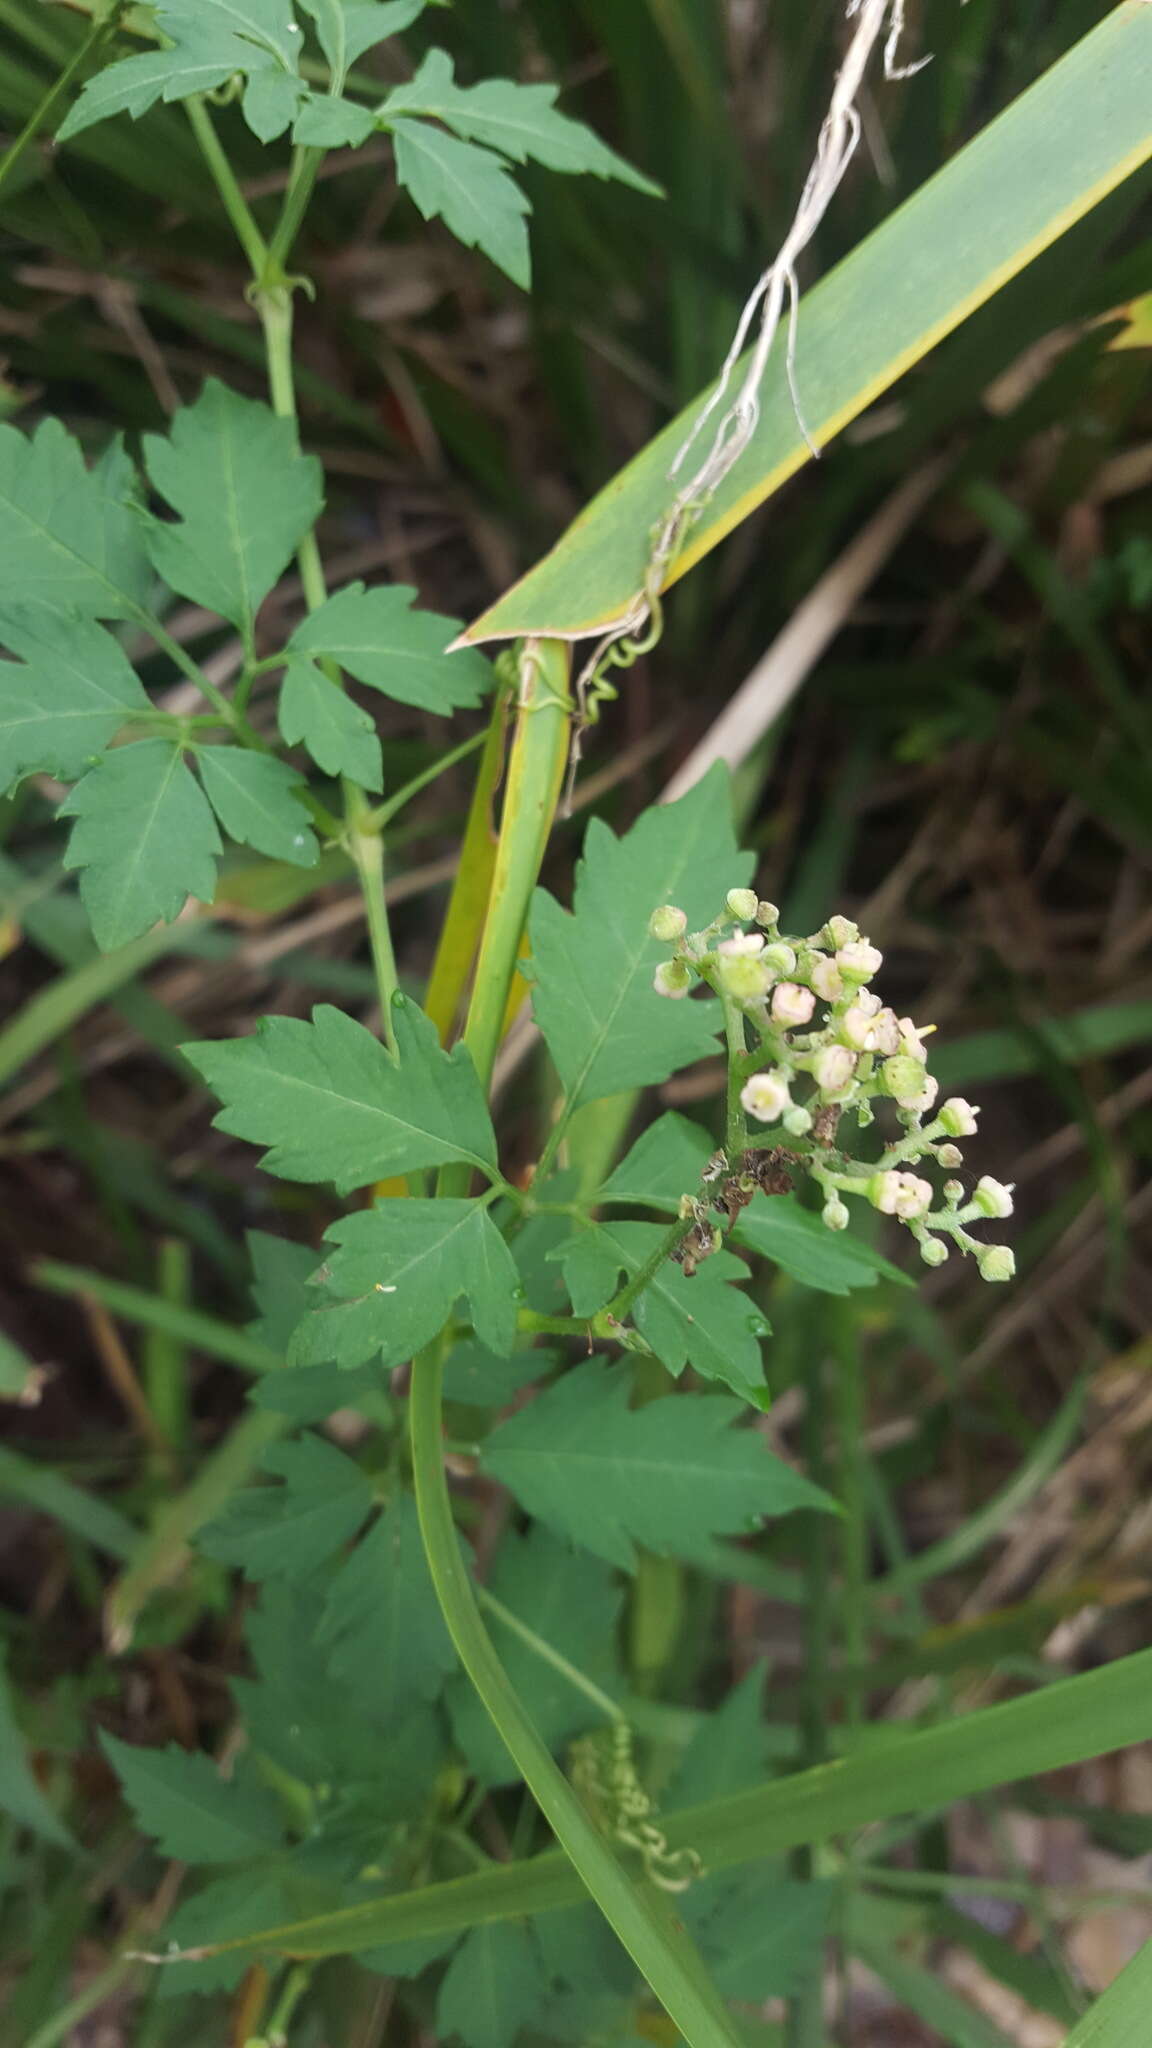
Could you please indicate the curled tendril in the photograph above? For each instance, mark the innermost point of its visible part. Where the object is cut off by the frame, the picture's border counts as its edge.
(604, 1772)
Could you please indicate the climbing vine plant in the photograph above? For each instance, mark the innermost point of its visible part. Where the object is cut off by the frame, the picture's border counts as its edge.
(598, 1350)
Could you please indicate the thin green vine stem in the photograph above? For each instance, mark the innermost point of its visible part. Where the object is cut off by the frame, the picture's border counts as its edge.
(383, 814)
(365, 843)
(658, 1947)
(548, 1655)
(100, 33)
(224, 178)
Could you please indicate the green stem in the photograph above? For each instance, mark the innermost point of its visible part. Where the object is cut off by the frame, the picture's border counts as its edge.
(854, 1591)
(364, 841)
(620, 1303)
(41, 115)
(658, 1947)
(184, 662)
(235, 205)
(305, 164)
(382, 814)
(547, 1655)
(735, 1129)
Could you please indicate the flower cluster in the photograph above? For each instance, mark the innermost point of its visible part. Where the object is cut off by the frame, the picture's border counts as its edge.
(825, 1049)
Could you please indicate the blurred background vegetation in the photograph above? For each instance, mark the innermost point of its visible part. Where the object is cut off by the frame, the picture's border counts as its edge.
(966, 771)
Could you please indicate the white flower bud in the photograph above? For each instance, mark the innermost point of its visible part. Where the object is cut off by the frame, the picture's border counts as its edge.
(834, 1069)
(781, 959)
(792, 1004)
(826, 978)
(958, 1117)
(834, 1214)
(885, 1029)
(933, 1251)
(953, 1192)
(997, 1263)
(766, 1096)
(743, 977)
(992, 1198)
(767, 913)
(900, 1194)
(949, 1156)
(858, 961)
(672, 978)
(667, 923)
(797, 1122)
(742, 903)
(742, 942)
(855, 1026)
(839, 931)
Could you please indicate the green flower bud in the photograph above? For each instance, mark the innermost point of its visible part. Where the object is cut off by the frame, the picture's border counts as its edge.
(744, 976)
(834, 1215)
(839, 931)
(667, 923)
(742, 903)
(997, 1263)
(903, 1078)
(949, 1156)
(780, 959)
(767, 914)
(933, 1251)
(797, 1122)
(672, 978)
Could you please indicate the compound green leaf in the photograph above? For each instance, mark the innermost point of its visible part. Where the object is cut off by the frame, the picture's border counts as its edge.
(572, 1603)
(144, 837)
(281, 1270)
(494, 1985)
(20, 1794)
(703, 1321)
(210, 41)
(667, 1161)
(331, 1103)
(245, 494)
(257, 800)
(191, 1812)
(382, 1627)
(282, 1531)
(605, 1026)
(326, 121)
(469, 189)
(380, 640)
(340, 736)
(727, 1752)
(667, 1476)
(518, 120)
(65, 698)
(760, 1931)
(395, 1277)
(271, 102)
(346, 28)
(70, 537)
(479, 1379)
(243, 1902)
(831, 1262)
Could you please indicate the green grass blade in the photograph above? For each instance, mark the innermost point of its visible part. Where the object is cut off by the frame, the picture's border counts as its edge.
(1120, 2018)
(1044, 163)
(1063, 1724)
(151, 1312)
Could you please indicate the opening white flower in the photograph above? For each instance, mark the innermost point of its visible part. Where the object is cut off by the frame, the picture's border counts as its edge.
(826, 978)
(858, 961)
(766, 1096)
(900, 1194)
(792, 1004)
(834, 1069)
(992, 1197)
